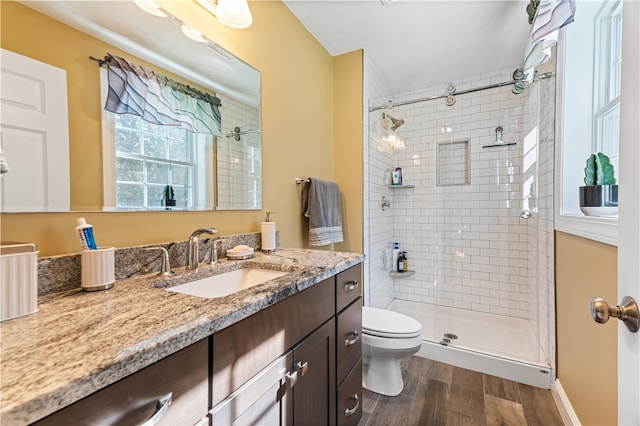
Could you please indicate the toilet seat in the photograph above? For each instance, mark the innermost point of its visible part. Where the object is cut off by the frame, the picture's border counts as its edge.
(389, 324)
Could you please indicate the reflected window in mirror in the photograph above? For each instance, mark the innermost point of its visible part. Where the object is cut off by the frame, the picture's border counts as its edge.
(142, 159)
(149, 157)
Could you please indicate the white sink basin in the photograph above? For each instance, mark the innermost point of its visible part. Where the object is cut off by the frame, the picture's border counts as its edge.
(227, 283)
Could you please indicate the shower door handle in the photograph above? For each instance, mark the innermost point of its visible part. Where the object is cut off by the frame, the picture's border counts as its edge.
(626, 311)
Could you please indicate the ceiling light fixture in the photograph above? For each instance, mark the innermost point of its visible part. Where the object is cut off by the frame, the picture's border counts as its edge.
(232, 13)
(193, 34)
(150, 7)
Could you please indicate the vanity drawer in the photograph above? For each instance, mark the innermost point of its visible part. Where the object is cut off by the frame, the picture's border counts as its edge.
(350, 397)
(349, 338)
(348, 286)
(136, 398)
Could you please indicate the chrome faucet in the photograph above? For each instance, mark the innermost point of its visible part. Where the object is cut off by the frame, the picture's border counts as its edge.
(193, 253)
(215, 254)
(165, 269)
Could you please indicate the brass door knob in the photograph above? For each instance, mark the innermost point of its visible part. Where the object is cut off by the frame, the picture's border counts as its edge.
(626, 311)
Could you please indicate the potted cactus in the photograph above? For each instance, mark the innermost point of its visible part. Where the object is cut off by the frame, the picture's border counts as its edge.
(599, 196)
(168, 197)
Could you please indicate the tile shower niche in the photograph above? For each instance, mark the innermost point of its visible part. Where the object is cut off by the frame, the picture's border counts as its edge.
(453, 163)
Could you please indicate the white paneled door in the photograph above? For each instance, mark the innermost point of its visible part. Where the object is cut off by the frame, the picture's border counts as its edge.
(629, 220)
(34, 135)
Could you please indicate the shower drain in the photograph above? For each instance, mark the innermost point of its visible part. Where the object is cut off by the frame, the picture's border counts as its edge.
(447, 338)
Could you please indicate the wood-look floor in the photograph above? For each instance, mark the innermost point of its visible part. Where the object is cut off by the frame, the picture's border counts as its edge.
(440, 394)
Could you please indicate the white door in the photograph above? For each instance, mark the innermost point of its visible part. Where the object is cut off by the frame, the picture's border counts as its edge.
(629, 220)
(34, 135)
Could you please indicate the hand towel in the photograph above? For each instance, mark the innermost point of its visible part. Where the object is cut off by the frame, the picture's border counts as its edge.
(321, 204)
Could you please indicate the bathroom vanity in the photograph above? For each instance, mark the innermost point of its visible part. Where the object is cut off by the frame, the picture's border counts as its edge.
(287, 351)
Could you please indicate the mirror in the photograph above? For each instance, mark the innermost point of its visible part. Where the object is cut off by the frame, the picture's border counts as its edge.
(234, 181)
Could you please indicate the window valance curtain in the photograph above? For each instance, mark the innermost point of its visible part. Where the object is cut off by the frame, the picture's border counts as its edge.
(552, 15)
(157, 99)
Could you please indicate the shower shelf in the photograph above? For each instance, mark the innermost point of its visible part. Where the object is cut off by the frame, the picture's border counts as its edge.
(401, 186)
(402, 274)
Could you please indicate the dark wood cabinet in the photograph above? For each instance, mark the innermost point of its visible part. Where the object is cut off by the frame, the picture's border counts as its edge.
(298, 388)
(136, 398)
(320, 328)
(243, 349)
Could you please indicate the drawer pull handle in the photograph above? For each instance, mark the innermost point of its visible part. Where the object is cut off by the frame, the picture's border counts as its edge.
(292, 378)
(351, 285)
(163, 406)
(302, 367)
(350, 411)
(356, 337)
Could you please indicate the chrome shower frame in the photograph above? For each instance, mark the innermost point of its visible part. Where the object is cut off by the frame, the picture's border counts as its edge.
(450, 97)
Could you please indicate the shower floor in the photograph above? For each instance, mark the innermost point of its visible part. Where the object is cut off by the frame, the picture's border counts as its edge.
(492, 344)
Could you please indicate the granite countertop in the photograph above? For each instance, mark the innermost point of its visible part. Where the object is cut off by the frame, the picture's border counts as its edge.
(80, 342)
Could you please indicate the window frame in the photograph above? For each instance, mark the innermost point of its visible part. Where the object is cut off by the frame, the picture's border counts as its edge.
(602, 229)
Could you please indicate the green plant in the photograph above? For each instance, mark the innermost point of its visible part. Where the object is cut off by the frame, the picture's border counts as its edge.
(168, 192)
(599, 170)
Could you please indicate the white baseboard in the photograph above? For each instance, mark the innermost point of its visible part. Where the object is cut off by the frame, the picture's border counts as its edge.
(569, 416)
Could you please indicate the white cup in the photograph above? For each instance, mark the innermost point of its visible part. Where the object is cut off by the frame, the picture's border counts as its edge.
(98, 268)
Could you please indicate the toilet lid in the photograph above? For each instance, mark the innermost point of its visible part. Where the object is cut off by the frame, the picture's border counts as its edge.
(383, 323)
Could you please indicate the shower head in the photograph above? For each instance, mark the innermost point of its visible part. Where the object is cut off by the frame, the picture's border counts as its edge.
(395, 123)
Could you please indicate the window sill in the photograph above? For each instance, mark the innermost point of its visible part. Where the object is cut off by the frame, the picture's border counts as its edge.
(601, 229)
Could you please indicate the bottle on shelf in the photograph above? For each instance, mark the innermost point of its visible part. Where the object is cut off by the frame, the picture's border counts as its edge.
(405, 260)
(401, 262)
(394, 257)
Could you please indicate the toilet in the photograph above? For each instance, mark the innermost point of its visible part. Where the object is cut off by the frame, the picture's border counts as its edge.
(387, 337)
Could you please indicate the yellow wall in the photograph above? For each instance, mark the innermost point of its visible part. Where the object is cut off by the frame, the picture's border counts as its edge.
(587, 352)
(348, 149)
(297, 133)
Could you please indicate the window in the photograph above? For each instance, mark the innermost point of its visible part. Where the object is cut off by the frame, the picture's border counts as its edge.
(589, 65)
(141, 158)
(149, 157)
(608, 63)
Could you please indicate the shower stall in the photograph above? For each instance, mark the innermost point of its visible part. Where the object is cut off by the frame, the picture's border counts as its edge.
(474, 214)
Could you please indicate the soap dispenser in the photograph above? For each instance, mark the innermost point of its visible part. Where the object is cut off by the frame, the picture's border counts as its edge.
(268, 234)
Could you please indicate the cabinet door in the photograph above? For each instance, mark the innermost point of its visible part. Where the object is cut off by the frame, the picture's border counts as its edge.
(135, 399)
(349, 338)
(314, 394)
